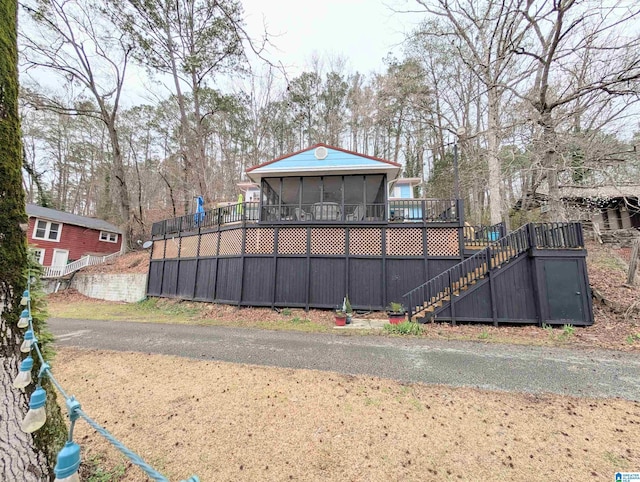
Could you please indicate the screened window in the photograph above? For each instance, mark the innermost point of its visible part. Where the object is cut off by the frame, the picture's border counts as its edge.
(332, 189)
(326, 198)
(311, 190)
(374, 187)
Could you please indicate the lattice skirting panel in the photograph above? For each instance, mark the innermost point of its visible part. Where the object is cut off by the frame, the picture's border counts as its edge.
(404, 242)
(292, 241)
(443, 242)
(172, 248)
(327, 241)
(259, 241)
(189, 247)
(324, 241)
(208, 244)
(231, 242)
(158, 250)
(365, 242)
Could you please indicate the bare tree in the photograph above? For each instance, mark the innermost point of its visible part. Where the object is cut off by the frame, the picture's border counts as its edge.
(580, 54)
(191, 40)
(71, 40)
(484, 34)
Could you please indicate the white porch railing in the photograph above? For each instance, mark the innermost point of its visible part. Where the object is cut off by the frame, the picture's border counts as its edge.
(88, 260)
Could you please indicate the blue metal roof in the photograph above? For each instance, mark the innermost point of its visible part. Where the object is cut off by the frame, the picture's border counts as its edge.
(336, 159)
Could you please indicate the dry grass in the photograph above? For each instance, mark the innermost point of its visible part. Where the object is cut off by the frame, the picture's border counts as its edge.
(228, 422)
(133, 262)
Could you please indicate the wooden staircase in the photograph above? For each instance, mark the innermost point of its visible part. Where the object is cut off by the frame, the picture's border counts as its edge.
(424, 313)
(427, 300)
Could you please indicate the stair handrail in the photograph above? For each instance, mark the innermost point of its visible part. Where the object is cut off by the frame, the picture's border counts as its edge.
(533, 235)
(472, 268)
(83, 262)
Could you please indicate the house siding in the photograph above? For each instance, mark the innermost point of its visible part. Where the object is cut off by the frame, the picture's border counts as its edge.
(78, 240)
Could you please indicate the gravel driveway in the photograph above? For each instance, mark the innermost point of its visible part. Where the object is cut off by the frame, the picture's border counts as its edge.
(584, 373)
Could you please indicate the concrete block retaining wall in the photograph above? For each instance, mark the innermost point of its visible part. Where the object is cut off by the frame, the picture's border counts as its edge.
(113, 287)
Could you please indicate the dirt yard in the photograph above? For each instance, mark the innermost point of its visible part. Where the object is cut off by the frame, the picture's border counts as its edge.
(227, 422)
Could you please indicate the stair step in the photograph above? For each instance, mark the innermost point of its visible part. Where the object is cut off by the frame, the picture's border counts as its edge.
(501, 256)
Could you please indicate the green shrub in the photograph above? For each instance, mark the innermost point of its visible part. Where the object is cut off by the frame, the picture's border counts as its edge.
(404, 328)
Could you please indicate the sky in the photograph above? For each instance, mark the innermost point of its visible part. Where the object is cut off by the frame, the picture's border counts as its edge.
(362, 31)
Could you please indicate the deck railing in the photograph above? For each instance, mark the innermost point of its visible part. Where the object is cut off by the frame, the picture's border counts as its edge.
(475, 236)
(441, 288)
(89, 260)
(425, 210)
(559, 235)
(410, 210)
(246, 211)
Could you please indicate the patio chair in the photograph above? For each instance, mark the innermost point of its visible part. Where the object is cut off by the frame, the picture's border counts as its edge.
(301, 215)
(357, 214)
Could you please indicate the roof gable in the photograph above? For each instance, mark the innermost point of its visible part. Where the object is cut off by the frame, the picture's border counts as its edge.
(305, 161)
(35, 211)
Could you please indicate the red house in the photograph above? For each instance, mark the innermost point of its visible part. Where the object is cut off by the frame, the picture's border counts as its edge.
(59, 237)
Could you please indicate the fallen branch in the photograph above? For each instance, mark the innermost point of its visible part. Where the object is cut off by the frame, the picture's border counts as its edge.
(632, 307)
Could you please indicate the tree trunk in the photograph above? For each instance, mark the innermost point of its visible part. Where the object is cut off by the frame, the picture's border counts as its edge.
(20, 459)
(117, 171)
(200, 142)
(493, 159)
(556, 210)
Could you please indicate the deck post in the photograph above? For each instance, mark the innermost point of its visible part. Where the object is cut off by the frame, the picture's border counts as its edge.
(424, 253)
(215, 278)
(347, 271)
(179, 262)
(460, 213)
(451, 302)
(275, 265)
(384, 266)
(164, 255)
(244, 245)
(494, 304)
(308, 277)
(195, 282)
(531, 232)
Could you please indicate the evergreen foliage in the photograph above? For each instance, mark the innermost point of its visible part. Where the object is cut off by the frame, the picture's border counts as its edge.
(13, 245)
(52, 436)
(13, 254)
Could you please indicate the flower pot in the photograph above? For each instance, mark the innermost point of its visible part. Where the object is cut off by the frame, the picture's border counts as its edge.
(341, 320)
(396, 318)
(349, 318)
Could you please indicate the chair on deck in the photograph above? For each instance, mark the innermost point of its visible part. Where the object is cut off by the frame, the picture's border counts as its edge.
(301, 215)
(357, 214)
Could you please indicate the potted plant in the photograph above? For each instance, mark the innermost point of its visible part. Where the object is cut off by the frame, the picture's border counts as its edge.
(347, 309)
(395, 312)
(340, 316)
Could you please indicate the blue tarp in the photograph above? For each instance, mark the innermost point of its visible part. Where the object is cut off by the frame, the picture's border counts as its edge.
(199, 216)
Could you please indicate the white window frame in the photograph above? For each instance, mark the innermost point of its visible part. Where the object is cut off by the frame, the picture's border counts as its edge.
(47, 230)
(108, 235)
(39, 258)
